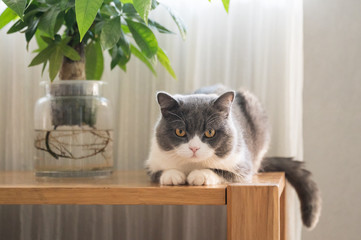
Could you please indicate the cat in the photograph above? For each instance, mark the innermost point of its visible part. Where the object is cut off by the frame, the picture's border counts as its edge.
(216, 136)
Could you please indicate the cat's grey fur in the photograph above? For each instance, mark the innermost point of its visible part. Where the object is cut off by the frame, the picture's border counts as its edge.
(234, 154)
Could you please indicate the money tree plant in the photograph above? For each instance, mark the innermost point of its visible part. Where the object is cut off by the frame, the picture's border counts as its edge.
(73, 34)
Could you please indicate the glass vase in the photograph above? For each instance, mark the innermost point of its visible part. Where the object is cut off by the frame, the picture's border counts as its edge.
(73, 130)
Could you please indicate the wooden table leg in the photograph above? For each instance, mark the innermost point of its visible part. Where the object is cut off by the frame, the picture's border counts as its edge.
(283, 221)
(253, 212)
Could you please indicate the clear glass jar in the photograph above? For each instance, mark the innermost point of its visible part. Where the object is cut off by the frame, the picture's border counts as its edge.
(73, 130)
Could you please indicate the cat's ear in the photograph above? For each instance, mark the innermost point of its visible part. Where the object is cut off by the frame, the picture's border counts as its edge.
(166, 102)
(224, 102)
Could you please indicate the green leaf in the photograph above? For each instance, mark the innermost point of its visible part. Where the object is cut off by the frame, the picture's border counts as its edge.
(125, 29)
(129, 9)
(126, 1)
(33, 11)
(65, 4)
(143, 58)
(159, 27)
(42, 56)
(51, 2)
(114, 52)
(123, 67)
(111, 32)
(48, 40)
(143, 8)
(65, 40)
(18, 6)
(118, 57)
(69, 52)
(108, 10)
(226, 4)
(55, 61)
(48, 21)
(42, 43)
(179, 21)
(59, 22)
(121, 52)
(124, 45)
(94, 62)
(18, 25)
(69, 18)
(85, 11)
(118, 4)
(29, 33)
(164, 60)
(44, 66)
(7, 16)
(144, 38)
(98, 27)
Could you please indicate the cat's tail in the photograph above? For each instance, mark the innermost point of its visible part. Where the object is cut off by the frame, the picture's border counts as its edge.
(301, 180)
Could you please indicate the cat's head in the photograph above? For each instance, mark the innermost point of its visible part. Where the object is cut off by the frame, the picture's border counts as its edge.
(196, 127)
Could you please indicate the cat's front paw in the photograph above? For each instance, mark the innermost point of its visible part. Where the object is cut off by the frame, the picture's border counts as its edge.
(172, 177)
(203, 177)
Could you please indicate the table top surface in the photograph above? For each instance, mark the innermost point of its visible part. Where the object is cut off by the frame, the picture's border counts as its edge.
(122, 187)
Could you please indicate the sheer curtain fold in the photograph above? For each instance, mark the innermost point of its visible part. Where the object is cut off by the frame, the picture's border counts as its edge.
(257, 46)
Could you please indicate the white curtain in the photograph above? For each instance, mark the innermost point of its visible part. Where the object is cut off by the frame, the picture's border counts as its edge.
(258, 46)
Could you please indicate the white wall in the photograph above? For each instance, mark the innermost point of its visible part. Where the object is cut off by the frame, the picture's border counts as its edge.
(332, 113)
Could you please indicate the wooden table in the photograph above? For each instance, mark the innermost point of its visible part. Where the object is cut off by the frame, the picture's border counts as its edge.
(255, 211)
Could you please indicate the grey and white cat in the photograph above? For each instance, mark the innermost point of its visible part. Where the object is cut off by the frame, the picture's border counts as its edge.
(215, 136)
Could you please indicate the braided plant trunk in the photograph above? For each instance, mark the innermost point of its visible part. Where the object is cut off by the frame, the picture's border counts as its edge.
(69, 106)
(74, 70)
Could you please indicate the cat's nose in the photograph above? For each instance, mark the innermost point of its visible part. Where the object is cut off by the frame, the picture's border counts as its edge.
(194, 149)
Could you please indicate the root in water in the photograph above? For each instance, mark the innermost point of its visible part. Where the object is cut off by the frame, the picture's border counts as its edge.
(73, 144)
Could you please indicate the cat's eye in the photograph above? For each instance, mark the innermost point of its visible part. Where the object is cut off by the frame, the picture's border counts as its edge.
(210, 133)
(180, 132)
